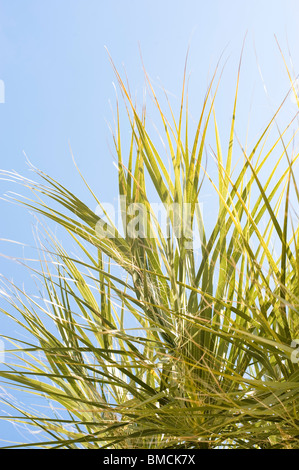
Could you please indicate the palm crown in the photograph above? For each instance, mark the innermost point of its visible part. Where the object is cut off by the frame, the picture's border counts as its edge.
(146, 340)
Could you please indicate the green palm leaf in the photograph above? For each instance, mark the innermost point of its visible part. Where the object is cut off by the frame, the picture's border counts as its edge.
(152, 342)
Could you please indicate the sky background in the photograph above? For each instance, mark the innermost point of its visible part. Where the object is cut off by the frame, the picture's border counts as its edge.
(59, 85)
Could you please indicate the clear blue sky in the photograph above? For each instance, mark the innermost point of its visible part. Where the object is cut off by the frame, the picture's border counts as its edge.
(58, 81)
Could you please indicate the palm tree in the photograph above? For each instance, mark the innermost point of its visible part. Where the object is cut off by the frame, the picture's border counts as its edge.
(177, 336)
